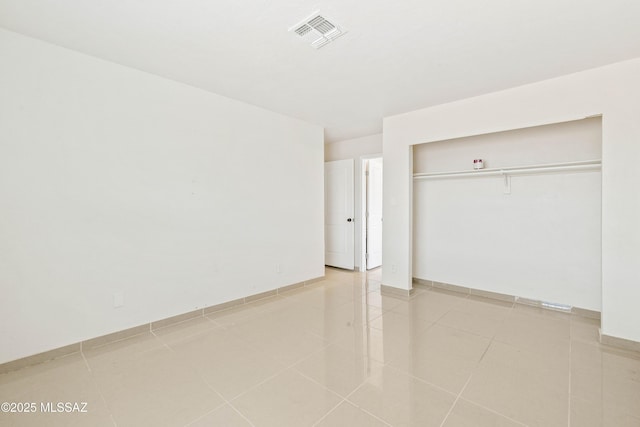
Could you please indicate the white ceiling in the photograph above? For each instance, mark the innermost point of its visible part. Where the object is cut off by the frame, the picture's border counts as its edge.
(397, 56)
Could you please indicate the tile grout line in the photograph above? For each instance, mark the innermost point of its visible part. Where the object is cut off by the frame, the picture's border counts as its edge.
(241, 414)
(361, 408)
(493, 411)
(326, 343)
(369, 413)
(511, 310)
(466, 296)
(225, 402)
(204, 415)
(95, 382)
(269, 378)
(216, 323)
(471, 376)
(410, 375)
(224, 399)
(162, 341)
(277, 373)
(436, 321)
(329, 412)
(320, 384)
(184, 338)
(456, 401)
(86, 362)
(493, 338)
(343, 399)
(372, 415)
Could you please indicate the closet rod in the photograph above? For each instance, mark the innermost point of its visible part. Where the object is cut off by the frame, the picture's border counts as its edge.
(522, 170)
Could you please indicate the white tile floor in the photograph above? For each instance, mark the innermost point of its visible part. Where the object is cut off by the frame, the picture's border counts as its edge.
(340, 354)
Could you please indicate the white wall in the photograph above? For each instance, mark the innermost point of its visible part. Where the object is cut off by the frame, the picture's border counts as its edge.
(356, 149)
(540, 241)
(572, 141)
(353, 148)
(113, 180)
(614, 92)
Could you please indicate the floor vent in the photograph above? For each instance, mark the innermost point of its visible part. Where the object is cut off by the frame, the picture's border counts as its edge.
(317, 30)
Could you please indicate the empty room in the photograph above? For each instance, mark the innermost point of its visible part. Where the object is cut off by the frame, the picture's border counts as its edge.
(279, 213)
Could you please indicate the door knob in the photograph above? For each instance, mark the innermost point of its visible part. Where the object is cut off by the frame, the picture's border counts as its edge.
(349, 220)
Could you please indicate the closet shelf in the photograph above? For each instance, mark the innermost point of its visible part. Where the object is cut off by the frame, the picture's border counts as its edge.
(584, 165)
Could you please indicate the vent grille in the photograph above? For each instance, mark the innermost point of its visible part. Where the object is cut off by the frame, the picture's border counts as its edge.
(317, 30)
(301, 31)
(321, 24)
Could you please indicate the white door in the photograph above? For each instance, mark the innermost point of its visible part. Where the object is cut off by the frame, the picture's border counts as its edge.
(338, 214)
(374, 214)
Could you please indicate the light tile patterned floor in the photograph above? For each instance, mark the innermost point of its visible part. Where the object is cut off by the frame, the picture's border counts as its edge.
(339, 354)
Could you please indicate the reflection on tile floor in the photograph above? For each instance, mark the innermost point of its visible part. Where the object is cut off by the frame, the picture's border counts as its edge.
(339, 354)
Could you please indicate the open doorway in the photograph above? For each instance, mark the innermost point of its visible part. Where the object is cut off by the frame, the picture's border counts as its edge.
(371, 212)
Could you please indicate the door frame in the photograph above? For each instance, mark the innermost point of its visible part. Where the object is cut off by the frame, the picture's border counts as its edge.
(361, 208)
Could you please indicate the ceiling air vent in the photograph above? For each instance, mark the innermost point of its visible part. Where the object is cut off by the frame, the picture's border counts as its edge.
(317, 30)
